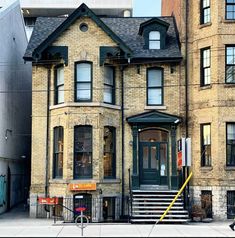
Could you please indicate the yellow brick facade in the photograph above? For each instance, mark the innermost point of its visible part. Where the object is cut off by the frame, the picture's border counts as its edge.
(212, 104)
(84, 46)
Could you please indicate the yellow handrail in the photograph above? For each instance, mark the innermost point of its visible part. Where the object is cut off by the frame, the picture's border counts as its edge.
(176, 196)
(173, 201)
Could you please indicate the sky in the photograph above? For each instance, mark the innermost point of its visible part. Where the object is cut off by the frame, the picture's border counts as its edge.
(146, 8)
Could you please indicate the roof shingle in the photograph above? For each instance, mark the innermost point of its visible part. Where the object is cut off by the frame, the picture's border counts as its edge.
(125, 28)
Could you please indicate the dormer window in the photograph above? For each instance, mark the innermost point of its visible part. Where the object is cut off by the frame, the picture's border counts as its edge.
(154, 40)
(154, 33)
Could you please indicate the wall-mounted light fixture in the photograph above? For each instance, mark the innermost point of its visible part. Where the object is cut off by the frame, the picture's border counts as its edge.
(7, 132)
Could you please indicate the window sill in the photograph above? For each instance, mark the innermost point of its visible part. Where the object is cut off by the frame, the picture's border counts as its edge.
(86, 104)
(229, 168)
(85, 180)
(205, 25)
(206, 168)
(57, 180)
(229, 85)
(155, 108)
(228, 20)
(110, 181)
(205, 87)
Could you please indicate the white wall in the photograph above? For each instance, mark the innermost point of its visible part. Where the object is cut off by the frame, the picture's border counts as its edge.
(15, 98)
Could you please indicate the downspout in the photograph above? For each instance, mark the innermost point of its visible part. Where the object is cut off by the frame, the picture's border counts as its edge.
(123, 136)
(48, 131)
(186, 169)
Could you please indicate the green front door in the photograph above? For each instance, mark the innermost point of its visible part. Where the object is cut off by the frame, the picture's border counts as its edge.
(153, 163)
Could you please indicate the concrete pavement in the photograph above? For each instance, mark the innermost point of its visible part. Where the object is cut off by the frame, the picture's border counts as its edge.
(117, 230)
(18, 224)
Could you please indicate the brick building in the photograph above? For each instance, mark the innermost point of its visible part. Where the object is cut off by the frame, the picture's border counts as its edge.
(206, 32)
(107, 97)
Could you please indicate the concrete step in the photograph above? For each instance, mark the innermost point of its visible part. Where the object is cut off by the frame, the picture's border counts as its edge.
(159, 212)
(155, 195)
(156, 203)
(154, 199)
(158, 207)
(156, 191)
(155, 220)
(156, 216)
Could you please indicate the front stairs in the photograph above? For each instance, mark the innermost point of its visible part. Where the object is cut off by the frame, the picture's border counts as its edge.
(149, 205)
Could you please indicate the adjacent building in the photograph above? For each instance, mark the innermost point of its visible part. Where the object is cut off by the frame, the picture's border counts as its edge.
(46, 8)
(206, 32)
(15, 106)
(110, 99)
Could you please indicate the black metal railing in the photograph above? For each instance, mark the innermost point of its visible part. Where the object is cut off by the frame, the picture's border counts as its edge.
(104, 209)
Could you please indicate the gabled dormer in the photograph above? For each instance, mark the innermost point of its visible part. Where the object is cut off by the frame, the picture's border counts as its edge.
(154, 33)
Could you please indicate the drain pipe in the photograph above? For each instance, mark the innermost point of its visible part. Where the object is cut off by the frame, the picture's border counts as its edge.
(47, 132)
(123, 136)
(186, 169)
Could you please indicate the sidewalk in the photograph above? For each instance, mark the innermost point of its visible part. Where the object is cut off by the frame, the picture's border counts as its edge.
(17, 224)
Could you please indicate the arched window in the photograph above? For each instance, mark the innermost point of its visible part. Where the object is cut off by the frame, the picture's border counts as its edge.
(154, 40)
(109, 162)
(82, 152)
(58, 152)
(153, 135)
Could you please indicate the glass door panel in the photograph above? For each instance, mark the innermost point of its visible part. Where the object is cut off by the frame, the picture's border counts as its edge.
(163, 162)
(145, 157)
(153, 159)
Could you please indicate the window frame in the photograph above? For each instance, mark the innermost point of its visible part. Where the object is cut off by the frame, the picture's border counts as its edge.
(155, 87)
(113, 87)
(202, 68)
(227, 65)
(56, 154)
(83, 82)
(77, 152)
(113, 153)
(202, 12)
(227, 164)
(227, 4)
(203, 159)
(229, 198)
(158, 40)
(56, 86)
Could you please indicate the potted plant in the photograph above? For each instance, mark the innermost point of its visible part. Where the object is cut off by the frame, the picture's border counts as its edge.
(197, 213)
